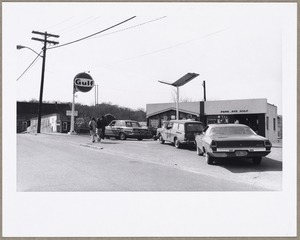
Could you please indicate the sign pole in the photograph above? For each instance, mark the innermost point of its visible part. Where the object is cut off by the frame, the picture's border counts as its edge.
(82, 82)
(72, 114)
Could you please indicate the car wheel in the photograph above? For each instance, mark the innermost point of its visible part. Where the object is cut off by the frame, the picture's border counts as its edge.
(209, 159)
(256, 160)
(199, 152)
(161, 140)
(177, 143)
(122, 136)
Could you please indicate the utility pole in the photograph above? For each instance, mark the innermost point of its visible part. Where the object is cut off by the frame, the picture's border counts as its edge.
(204, 89)
(45, 41)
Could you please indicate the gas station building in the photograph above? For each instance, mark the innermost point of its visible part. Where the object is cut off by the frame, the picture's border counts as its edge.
(258, 114)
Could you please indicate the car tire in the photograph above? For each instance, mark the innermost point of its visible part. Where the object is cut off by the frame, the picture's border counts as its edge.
(122, 136)
(161, 140)
(177, 143)
(256, 160)
(209, 159)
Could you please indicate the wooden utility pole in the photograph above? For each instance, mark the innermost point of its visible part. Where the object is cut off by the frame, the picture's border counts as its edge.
(204, 89)
(45, 41)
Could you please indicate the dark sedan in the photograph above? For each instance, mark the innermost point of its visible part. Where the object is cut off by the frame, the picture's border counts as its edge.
(232, 141)
(123, 129)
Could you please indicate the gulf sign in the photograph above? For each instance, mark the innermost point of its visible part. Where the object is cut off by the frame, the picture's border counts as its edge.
(83, 82)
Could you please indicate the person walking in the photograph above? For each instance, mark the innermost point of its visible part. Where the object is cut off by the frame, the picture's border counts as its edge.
(103, 124)
(99, 129)
(93, 126)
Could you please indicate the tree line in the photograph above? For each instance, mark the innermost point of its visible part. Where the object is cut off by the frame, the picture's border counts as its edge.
(118, 112)
(86, 112)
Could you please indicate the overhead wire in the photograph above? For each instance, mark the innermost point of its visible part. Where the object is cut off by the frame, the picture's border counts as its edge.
(60, 23)
(92, 34)
(125, 29)
(75, 42)
(80, 25)
(74, 26)
(30, 65)
(166, 48)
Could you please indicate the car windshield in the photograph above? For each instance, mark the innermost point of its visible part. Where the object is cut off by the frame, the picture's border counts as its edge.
(132, 124)
(194, 127)
(231, 131)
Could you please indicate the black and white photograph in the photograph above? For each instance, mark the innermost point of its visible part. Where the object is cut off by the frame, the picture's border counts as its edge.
(124, 119)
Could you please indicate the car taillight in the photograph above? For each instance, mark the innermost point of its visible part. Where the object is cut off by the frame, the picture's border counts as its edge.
(213, 145)
(268, 145)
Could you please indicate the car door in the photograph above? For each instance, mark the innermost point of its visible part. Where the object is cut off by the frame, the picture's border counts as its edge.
(109, 130)
(202, 139)
(168, 131)
(173, 132)
(165, 131)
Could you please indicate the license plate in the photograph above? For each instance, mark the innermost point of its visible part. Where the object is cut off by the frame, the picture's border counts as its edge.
(241, 153)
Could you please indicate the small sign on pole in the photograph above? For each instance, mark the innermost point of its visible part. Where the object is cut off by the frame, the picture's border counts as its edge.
(69, 113)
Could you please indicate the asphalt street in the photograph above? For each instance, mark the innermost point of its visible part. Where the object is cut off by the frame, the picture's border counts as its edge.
(61, 162)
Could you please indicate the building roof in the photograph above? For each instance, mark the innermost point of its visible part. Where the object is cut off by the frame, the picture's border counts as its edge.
(30, 109)
(187, 107)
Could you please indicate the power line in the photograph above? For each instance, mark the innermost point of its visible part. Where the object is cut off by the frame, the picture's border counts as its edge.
(74, 26)
(31, 64)
(80, 25)
(60, 23)
(166, 48)
(125, 29)
(74, 42)
(92, 34)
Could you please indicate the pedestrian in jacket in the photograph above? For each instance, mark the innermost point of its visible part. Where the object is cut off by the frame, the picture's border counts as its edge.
(103, 124)
(93, 126)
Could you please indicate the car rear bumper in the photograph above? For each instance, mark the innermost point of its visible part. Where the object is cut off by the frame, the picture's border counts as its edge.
(238, 154)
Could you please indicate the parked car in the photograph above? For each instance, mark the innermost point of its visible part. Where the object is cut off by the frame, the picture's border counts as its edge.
(151, 129)
(159, 130)
(123, 129)
(180, 132)
(232, 140)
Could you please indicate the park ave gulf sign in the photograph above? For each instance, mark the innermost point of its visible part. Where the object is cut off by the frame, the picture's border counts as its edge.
(83, 82)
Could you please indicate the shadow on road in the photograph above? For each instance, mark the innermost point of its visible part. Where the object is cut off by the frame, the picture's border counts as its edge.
(236, 165)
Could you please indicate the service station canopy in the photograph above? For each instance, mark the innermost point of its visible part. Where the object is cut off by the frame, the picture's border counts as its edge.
(183, 80)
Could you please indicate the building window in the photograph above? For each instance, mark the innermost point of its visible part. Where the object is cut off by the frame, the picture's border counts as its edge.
(267, 122)
(274, 124)
(65, 126)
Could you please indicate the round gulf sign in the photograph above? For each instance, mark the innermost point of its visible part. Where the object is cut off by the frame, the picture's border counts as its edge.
(83, 82)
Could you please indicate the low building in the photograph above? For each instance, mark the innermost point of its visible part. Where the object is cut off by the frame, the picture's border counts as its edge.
(256, 113)
(51, 123)
(27, 113)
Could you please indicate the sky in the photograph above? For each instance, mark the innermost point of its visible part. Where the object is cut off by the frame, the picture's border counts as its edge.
(235, 48)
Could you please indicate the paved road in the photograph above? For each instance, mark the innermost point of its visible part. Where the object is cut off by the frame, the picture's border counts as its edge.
(58, 162)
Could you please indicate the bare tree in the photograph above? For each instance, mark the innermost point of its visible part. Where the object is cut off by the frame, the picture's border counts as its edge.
(181, 99)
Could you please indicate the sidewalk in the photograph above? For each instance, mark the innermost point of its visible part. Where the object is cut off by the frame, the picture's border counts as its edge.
(277, 144)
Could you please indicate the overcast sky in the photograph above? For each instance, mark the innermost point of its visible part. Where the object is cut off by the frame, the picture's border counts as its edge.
(236, 49)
